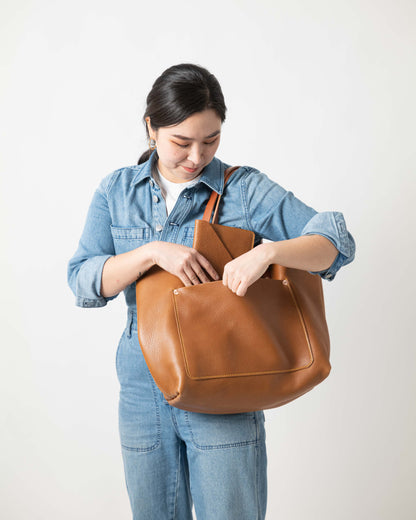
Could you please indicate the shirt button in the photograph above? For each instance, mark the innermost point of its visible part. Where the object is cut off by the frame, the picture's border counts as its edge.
(151, 182)
(159, 227)
(327, 275)
(155, 198)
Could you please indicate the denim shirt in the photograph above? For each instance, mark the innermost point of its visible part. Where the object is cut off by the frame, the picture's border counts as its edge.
(128, 211)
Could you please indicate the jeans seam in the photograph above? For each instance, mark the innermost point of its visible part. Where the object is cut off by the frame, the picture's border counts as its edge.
(157, 408)
(175, 424)
(129, 324)
(224, 446)
(175, 501)
(257, 480)
(157, 442)
(256, 463)
(118, 349)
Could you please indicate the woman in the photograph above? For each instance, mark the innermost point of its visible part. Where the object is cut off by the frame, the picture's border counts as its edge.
(143, 215)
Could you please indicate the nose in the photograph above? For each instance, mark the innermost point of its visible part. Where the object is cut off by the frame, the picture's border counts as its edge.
(195, 155)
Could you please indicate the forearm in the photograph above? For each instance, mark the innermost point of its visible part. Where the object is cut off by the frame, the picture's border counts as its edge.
(119, 271)
(307, 252)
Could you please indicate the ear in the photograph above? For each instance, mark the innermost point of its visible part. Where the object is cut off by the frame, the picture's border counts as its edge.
(150, 130)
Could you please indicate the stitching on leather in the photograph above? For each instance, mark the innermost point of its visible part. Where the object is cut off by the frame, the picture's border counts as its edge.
(246, 374)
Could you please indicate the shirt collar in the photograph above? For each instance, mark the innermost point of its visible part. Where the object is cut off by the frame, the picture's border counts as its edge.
(212, 174)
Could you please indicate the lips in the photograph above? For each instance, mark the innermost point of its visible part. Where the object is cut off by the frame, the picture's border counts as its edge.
(190, 170)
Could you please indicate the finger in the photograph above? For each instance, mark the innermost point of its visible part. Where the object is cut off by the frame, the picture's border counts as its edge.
(196, 274)
(200, 272)
(225, 276)
(241, 290)
(192, 277)
(205, 263)
(185, 279)
(234, 285)
(185, 276)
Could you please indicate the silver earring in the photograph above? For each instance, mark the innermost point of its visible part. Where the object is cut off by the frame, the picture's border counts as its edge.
(152, 144)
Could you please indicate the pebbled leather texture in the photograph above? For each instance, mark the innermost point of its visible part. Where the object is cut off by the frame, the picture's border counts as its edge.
(212, 351)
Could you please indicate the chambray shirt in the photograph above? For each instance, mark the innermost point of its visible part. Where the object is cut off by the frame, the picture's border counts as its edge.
(128, 211)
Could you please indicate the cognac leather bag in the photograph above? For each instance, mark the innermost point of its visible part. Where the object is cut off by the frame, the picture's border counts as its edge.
(212, 351)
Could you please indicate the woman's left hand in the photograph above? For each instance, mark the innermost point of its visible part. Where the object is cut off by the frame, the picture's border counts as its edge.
(244, 270)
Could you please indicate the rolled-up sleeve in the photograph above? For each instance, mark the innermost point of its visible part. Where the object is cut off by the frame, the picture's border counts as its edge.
(276, 214)
(95, 247)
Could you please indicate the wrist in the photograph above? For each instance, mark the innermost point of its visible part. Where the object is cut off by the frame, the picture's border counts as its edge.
(267, 250)
(150, 253)
(142, 258)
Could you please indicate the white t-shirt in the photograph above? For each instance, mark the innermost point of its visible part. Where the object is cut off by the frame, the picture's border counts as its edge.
(171, 190)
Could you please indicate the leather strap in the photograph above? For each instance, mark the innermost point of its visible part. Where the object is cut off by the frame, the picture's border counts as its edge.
(216, 197)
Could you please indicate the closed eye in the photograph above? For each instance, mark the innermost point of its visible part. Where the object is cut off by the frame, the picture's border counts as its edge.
(186, 145)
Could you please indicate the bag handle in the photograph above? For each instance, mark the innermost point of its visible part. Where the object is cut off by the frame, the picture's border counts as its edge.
(216, 197)
(275, 271)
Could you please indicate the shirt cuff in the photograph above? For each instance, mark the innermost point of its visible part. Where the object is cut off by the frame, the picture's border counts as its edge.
(331, 224)
(88, 283)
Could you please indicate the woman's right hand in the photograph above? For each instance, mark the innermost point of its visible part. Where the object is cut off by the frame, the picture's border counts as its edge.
(184, 262)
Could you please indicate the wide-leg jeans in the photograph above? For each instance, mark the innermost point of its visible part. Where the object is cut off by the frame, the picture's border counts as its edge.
(174, 459)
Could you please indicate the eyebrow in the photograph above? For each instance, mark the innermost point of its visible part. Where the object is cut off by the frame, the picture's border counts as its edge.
(190, 139)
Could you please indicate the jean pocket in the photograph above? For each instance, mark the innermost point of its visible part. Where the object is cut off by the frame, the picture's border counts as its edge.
(138, 412)
(217, 431)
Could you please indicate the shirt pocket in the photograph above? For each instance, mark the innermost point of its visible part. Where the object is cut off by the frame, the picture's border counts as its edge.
(128, 238)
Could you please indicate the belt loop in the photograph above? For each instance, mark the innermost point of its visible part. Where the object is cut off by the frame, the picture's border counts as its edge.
(129, 323)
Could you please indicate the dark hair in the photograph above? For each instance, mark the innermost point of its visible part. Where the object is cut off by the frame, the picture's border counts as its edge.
(179, 92)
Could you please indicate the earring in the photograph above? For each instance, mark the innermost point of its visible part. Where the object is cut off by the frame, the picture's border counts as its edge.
(152, 144)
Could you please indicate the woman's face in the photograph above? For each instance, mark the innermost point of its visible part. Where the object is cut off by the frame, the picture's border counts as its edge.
(185, 149)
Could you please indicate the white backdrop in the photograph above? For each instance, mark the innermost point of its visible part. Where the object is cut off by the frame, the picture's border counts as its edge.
(321, 97)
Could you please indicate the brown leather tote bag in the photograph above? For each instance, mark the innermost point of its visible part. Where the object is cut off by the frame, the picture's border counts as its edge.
(212, 351)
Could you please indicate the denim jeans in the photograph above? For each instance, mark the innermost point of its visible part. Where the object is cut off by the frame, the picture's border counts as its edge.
(174, 459)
